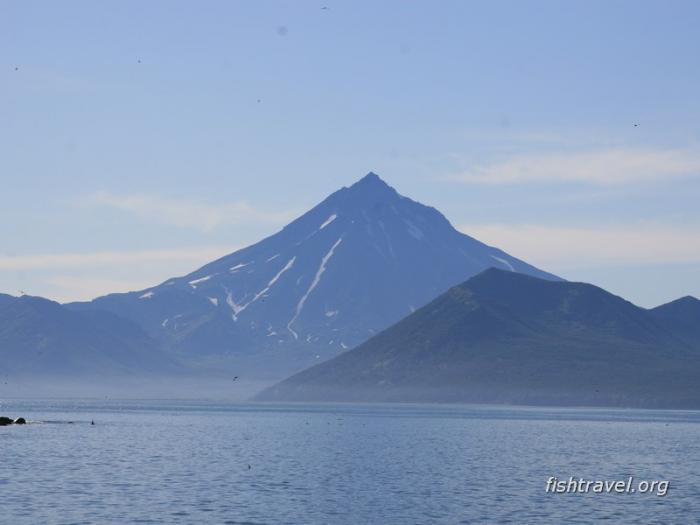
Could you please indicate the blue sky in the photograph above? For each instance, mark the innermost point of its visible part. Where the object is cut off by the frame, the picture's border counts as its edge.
(142, 139)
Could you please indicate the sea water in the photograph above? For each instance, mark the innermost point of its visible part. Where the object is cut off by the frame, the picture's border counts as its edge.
(208, 462)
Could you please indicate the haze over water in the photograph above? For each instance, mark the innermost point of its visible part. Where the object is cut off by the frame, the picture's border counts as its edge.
(207, 462)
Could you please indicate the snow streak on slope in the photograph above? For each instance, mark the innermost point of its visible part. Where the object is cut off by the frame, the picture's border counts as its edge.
(194, 283)
(414, 231)
(238, 308)
(274, 279)
(504, 262)
(328, 221)
(315, 282)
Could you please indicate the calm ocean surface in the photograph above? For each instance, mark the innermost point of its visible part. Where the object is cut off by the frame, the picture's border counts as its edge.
(206, 462)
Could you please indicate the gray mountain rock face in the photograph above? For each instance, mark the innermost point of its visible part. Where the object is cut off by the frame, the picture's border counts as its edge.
(353, 265)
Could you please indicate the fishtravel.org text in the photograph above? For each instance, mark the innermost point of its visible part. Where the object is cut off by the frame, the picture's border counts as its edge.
(623, 486)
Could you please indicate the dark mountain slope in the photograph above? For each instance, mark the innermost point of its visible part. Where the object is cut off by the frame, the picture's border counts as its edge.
(5, 299)
(682, 317)
(39, 337)
(504, 337)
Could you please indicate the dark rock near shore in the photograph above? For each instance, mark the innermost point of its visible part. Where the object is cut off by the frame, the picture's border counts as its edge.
(5, 421)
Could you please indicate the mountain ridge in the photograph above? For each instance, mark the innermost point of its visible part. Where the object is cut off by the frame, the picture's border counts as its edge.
(40, 337)
(352, 265)
(503, 337)
(682, 316)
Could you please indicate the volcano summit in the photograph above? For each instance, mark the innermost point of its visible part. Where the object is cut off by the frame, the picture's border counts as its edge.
(356, 263)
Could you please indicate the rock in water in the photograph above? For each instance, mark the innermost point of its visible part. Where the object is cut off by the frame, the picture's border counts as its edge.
(4, 421)
(20, 421)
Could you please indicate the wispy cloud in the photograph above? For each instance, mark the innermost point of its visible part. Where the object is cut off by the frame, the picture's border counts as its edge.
(570, 247)
(68, 288)
(601, 167)
(82, 276)
(110, 258)
(189, 214)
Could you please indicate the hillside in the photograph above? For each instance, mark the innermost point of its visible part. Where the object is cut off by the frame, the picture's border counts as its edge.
(503, 337)
(39, 337)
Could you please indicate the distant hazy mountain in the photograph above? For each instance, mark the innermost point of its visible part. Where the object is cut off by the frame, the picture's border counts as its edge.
(39, 337)
(504, 337)
(356, 263)
(5, 299)
(682, 317)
